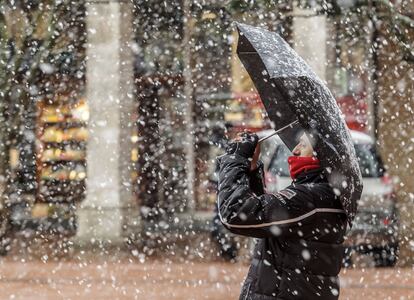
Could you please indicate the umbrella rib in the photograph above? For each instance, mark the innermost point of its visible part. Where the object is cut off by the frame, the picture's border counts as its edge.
(278, 131)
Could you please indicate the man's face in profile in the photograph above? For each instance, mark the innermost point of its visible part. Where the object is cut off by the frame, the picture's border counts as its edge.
(304, 148)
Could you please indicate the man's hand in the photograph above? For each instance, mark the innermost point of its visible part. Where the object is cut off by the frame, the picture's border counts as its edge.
(246, 145)
(255, 157)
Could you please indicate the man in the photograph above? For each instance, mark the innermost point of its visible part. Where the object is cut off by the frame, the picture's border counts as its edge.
(301, 228)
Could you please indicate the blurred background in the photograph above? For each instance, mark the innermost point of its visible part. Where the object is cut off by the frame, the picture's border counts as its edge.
(112, 114)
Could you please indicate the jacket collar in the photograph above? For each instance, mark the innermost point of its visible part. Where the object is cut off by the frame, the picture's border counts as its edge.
(311, 176)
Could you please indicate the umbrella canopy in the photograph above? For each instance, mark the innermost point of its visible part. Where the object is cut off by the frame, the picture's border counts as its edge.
(297, 101)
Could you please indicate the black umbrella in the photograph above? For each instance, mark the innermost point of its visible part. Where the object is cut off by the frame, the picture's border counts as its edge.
(297, 101)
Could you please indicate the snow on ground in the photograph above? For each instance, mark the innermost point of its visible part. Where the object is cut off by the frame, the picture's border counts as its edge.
(95, 277)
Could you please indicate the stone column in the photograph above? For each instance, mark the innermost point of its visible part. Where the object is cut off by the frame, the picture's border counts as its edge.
(396, 130)
(128, 126)
(109, 92)
(309, 39)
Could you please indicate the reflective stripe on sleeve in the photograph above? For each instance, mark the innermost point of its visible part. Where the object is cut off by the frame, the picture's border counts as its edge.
(286, 221)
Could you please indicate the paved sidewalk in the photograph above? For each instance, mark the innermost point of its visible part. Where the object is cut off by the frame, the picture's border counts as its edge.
(96, 278)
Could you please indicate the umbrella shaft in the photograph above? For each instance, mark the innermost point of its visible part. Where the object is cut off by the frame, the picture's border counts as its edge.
(278, 131)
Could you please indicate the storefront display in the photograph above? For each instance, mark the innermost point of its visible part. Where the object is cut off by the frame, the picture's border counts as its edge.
(62, 137)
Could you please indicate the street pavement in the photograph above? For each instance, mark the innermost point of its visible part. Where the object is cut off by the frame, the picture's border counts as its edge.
(98, 277)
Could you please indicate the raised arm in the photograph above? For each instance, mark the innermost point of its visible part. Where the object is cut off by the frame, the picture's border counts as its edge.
(244, 209)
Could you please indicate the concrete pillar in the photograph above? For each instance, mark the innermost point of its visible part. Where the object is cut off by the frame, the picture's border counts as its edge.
(309, 39)
(109, 92)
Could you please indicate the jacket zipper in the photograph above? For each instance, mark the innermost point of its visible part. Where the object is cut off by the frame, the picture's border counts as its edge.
(248, 291)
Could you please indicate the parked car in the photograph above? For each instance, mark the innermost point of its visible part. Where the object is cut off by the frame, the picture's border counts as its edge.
(375, 228)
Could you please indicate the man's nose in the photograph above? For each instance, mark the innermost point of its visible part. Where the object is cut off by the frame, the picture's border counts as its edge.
(296, 151)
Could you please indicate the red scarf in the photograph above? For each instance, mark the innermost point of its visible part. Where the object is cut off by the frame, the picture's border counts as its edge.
(299, 164)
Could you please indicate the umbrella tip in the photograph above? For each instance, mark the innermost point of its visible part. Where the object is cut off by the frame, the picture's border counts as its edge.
(239, 26)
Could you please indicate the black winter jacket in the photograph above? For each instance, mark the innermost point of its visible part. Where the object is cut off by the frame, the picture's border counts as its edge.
(301, 230)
